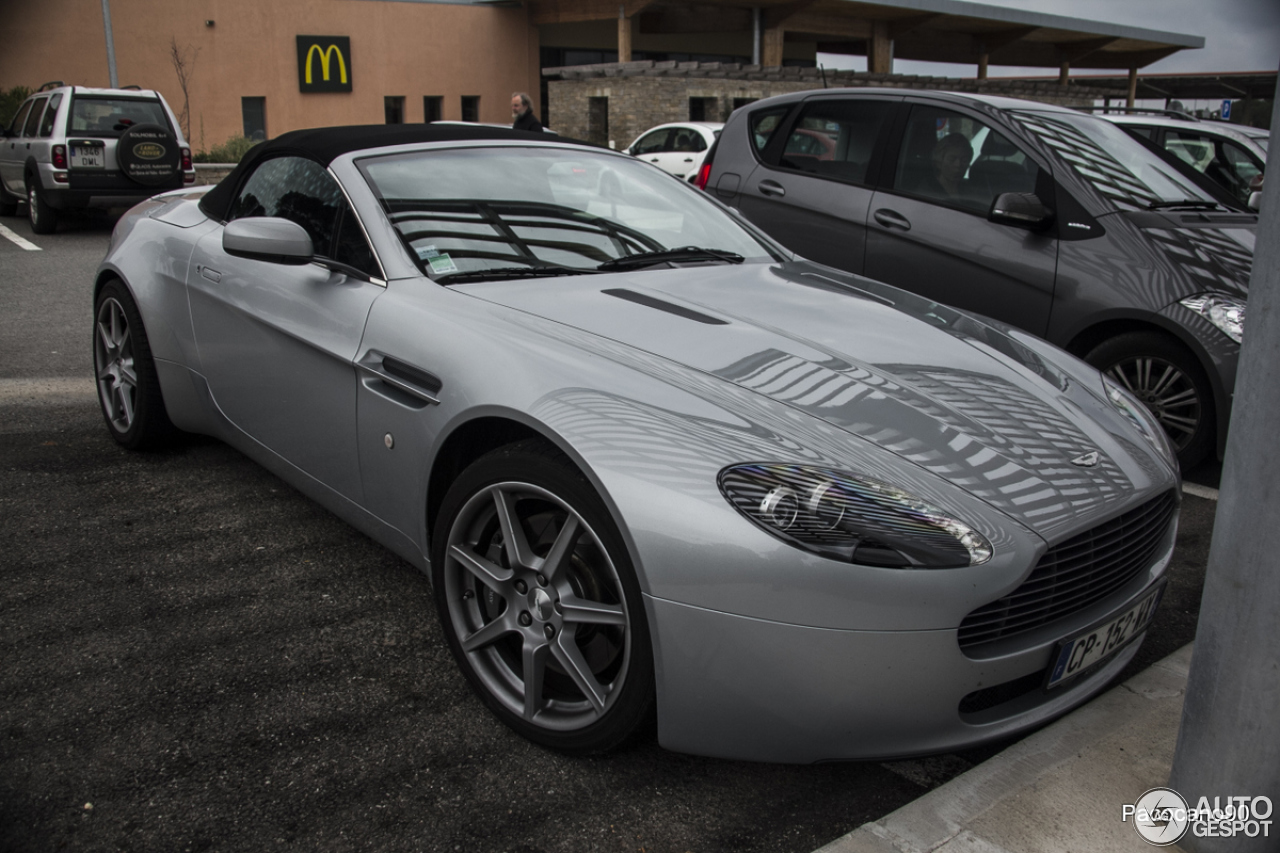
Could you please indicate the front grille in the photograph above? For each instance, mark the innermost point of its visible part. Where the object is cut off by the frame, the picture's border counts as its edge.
(1076, 573)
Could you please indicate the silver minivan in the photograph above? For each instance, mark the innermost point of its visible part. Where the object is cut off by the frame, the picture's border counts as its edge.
(74, 147)
(1044, 218)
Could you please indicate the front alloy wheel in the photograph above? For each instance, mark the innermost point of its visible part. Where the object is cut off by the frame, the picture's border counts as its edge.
(540, 604)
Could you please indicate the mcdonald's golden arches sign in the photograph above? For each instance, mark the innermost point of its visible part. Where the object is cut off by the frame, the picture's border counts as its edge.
(324, 63)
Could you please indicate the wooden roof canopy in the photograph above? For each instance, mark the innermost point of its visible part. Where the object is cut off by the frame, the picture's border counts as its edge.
(930, 30)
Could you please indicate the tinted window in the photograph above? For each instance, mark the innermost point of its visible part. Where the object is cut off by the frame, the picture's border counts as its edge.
(15, 128)
(113, 116)
(835, 138)
(33, 118)
(295, 189)
(687, 140)
(352, 248)
(764, 124)
(652, 143)
(51, 113)
(960, 161)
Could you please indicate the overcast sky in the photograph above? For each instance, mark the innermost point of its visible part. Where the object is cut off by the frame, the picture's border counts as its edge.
(1239, 35)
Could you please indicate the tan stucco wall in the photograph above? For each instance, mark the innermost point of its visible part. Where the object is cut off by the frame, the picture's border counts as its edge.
(406, 49)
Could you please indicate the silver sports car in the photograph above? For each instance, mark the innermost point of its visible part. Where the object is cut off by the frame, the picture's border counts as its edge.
(654, 464)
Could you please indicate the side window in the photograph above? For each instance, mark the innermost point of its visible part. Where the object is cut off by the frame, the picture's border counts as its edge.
(51, 113)
(1147, 132)
(296, 189)
(835, 139)
(1241, 165)
(1192, 148)
(763, 124)
(688, 140)
(652, 143)
(960, 161)
(33, 119)
(352, 248)
(15, 129)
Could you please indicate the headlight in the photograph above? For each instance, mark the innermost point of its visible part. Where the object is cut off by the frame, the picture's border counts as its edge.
(1140, 416)
(850, 518)
(1225, 312)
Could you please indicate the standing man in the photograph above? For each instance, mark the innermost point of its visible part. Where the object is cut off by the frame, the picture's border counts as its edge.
(522, 113)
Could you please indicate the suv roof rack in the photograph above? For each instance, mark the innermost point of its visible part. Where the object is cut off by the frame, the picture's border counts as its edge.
(1142, 110)
(52, 84)
(132, 86)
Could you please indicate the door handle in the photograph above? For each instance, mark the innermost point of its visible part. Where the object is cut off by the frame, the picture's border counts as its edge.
(209, 273)
(688, 159)
(772, 188)
(892, 219)
(654, 160)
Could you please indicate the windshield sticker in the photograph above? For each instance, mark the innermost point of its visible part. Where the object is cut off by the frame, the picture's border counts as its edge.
(441, 264)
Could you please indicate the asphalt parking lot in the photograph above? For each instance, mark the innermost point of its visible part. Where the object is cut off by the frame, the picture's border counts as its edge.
(198, 658)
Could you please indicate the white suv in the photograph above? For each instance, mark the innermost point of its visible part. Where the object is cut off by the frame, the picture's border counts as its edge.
(72, 147)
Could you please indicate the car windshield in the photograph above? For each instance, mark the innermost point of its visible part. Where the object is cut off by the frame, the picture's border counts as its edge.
(467, 210)
(1118, 166)
(113, 116)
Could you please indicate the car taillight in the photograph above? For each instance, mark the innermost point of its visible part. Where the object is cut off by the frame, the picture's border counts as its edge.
(59, 156)
(186, 159)
(704, 175)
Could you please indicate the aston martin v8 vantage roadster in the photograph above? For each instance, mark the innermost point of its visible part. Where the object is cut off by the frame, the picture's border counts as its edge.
(655, 465)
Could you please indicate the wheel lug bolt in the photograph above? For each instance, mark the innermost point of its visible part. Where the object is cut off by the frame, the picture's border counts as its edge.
(522, 587)
(542, 580)
(525, 619)
(549, 630)
(468, 595)
(559, 609)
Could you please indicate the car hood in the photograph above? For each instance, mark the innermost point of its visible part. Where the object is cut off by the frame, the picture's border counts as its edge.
(934, 386)
(1203, 251)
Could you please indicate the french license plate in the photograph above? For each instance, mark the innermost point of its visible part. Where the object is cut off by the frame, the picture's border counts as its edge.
(1081, 652)
(88, 157)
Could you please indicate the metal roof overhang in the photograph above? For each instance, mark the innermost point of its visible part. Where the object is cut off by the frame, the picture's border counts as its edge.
(930, 30)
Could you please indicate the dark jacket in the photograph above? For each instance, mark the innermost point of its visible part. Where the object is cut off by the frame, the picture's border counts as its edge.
(527, 121)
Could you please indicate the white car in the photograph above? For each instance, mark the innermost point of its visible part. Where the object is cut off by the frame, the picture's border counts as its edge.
(679, 147)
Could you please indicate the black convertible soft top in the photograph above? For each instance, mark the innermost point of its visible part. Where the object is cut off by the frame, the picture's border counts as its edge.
(324, 144)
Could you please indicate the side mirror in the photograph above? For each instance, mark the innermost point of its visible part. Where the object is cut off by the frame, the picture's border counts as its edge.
(1021, 210)
(1255, 200)
(268, 238)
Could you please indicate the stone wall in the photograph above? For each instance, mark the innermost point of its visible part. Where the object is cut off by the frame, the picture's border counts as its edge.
(643, 94)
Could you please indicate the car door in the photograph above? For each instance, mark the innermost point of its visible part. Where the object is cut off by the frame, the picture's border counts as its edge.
(13, 152)
(814, 187)
(277, 342)
(928, 230)
(683, 153)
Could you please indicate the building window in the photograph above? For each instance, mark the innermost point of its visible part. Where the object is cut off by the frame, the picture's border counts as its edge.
(393, 106)
(432, 108)
(703, 109)
(471, 108)
(598, 121)
(739, 103)
(254, 112)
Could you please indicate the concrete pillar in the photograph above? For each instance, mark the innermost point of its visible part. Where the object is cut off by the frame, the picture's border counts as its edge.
(771, 53)
(755, 36)
(1133, 88)
(1229, 743)
(1064, 74)
(624, 35)
(880, 49)
(982, 65)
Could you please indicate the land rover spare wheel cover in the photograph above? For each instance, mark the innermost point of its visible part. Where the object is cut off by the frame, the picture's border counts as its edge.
(148, 154)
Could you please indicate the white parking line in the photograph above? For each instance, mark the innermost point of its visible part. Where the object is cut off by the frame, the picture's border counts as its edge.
(1200, 491)
(21, 241)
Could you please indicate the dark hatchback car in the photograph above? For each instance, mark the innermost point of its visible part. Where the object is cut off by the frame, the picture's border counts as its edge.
(1038, 216)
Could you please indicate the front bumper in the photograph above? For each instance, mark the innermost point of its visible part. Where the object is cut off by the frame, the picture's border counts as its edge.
(744, 688)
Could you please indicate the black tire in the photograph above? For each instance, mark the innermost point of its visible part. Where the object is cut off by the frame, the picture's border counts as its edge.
(1168, 379)
(43, 217)
(128, 386)
(578, 622)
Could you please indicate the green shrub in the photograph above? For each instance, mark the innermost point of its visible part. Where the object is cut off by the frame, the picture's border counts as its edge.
(10, 101)
(228, 152)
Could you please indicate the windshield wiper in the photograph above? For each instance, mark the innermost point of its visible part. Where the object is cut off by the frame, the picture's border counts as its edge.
(510, 272)
(1186, 202)
(685, 253)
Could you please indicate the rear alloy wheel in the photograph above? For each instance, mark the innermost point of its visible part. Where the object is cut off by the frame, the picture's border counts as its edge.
(539, 602)
(128, 387)
(1170, 383)
(43, 217)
